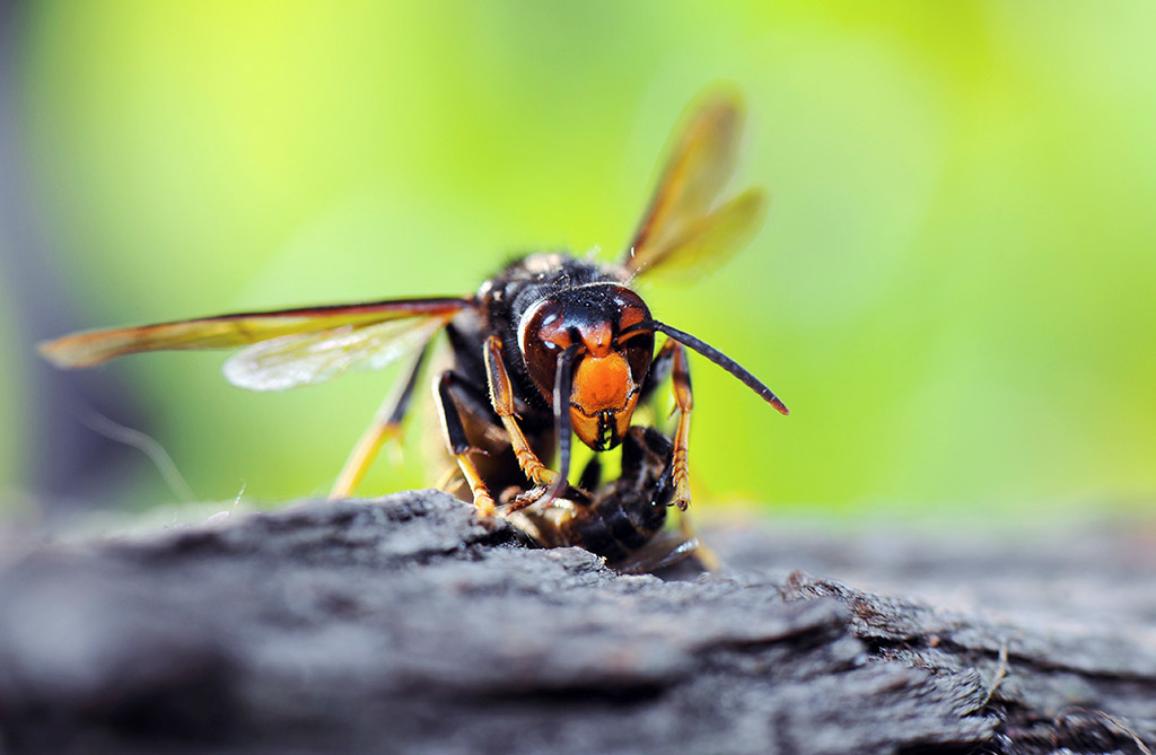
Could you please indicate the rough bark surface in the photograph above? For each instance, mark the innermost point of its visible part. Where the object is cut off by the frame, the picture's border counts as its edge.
(405, 625)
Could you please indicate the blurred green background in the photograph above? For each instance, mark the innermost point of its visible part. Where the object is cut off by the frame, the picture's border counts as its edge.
(955, 290)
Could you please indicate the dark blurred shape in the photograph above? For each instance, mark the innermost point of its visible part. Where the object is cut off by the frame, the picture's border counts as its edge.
(68, 465)
(406, 625)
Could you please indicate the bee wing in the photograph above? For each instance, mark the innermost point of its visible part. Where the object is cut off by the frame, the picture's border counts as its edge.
(224, 331)
(698, 170)
(308, 358)
(665, 550)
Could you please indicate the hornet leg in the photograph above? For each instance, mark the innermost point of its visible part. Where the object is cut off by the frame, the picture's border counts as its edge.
(502, 397)
(386, 426)
(457, 442)
(671, 360)
(684, 403)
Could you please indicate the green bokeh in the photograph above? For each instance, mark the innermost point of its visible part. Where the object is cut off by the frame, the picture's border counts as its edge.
(955, 290)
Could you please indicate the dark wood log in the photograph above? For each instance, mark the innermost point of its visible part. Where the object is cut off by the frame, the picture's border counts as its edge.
(405, 625)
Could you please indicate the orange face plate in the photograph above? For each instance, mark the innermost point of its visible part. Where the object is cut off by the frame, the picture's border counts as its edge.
(603, 400)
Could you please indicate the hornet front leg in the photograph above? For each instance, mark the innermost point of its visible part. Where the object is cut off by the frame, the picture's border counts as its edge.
(502, 398)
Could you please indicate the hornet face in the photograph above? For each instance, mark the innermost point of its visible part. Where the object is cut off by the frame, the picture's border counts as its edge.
(603, 327)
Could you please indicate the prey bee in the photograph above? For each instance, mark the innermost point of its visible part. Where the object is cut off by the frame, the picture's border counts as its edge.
(551, 346)
(622, 520)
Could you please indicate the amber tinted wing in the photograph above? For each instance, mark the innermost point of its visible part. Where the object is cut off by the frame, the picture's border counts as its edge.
(307, 358)
(712, 239)
(684, 223)
(225, 331)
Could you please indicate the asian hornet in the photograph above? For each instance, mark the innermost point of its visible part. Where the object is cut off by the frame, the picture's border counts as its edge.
(551, 346)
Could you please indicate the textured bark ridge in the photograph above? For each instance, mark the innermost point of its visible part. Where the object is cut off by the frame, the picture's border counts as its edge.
(405, 625)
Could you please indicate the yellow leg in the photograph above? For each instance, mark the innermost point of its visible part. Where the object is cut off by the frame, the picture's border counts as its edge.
(363, 455)
(684, 403)
(502, 398)
(446, 482)
(386, 426)
(483, 501)
(458, 444)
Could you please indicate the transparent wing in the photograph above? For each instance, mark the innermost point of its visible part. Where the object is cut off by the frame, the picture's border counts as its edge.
(666, 549)
(700, 166)
(308, 358)
(224, 331)
(713, 238)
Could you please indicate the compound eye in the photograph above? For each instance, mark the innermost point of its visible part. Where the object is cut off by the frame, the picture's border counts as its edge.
(630, 317)
(630, 310)
(542, 336)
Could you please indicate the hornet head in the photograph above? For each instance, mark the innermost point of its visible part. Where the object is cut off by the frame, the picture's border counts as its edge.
(602, 327)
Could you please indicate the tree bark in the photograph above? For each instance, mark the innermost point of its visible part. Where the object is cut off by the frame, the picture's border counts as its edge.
(406, 625)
